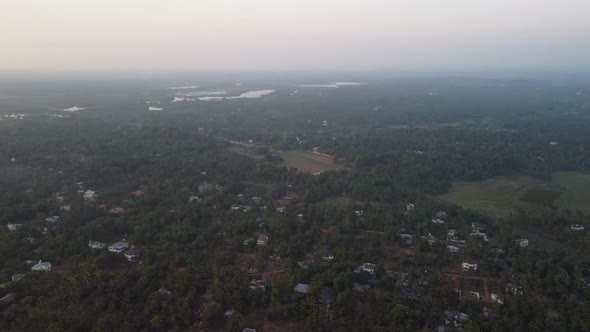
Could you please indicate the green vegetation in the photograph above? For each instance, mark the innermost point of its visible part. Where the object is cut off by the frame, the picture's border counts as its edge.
(576, 187)
(499, 196)
(541, 197)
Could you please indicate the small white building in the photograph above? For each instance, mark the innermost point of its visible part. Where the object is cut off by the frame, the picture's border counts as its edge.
(17, 277)
(453, 249)
(577, 227)
(328, 257)
(52, 219)
(262, 240)
(228, 314)
(13, 227)
(96, 245)
(302, 288)
(164, 291)
(257, 284)
(42, 266)
(497, 299)
(465, 266)
(409, 208)
(366, 267)
(89, 195)
(369, 267)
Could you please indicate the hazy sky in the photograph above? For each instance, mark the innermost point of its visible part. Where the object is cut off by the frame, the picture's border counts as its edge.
(292, 34)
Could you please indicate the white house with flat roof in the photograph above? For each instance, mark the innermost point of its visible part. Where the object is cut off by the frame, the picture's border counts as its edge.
(42, 266)
(52, 219)
(118, 246)
(466, 266)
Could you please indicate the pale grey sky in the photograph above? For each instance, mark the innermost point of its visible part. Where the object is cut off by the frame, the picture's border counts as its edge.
(292, 34)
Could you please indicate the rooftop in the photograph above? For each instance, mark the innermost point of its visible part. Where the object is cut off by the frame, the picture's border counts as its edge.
(119, 245)
(302, 288)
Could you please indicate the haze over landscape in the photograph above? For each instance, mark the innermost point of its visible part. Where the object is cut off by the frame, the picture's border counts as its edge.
(294, 165)
(284, 35)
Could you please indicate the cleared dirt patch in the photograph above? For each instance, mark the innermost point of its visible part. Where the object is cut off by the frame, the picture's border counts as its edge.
(308, 162)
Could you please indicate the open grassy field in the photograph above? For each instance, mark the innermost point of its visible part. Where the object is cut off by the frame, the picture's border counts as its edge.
(577, 193)
(500, 195)
(308, 162)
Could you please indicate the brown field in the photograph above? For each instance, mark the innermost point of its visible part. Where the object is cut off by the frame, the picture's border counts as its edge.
(304, 161)
(308, 162)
